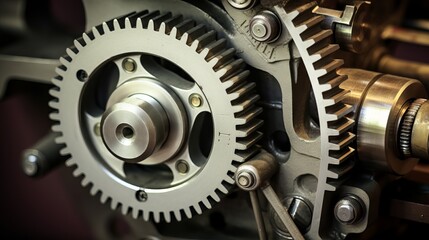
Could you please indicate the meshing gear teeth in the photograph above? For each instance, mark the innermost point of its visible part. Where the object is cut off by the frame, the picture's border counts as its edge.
(222, 78)
(336, 123)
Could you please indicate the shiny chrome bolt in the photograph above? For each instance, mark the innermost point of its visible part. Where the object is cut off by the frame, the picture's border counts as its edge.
(241, 4)
(265, 26)
(129, 65)
(195, 100)
(245, 179)
(182, 167)
(348, 210)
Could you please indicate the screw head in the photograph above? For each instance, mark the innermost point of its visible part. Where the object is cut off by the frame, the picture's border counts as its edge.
(245, 179)
(82, 75)
(129, 65)
(182, 167)
(241, 4)
(348, 210)
(141, 196)
(196, 100)
(265, 26)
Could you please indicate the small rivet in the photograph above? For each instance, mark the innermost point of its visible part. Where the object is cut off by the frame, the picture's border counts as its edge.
(182, 167)
(196, 100)
(129, 65)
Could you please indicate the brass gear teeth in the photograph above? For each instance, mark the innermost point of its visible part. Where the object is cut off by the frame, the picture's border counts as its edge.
(406, 126)
(336, 123)
(231, 73)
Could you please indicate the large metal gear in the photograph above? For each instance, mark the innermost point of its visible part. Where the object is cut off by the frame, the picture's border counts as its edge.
(335, 120)
(89, 114)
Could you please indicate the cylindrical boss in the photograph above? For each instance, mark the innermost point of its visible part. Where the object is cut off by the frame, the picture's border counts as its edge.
(379, 103)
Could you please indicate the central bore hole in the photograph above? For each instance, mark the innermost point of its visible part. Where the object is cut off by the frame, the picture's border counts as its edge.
(125, 134)
(128, 132)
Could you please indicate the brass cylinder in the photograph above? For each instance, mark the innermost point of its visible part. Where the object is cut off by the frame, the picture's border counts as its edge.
(379, 102)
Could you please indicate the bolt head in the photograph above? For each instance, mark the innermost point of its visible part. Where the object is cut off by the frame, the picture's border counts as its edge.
(265, 27)
(241, 4)
(196, 100)
(129, 65)
(182, 167)
(348, 210)
(245, 180)
(141, 196)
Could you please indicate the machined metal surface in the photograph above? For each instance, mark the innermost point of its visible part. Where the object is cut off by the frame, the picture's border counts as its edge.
(420, 133)
(380, 101)
(219, 73)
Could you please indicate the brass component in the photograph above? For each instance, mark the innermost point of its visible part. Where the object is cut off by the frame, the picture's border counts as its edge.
(379, 103)
(420, 133)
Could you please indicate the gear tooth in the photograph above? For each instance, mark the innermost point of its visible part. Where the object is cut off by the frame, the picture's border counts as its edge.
(128, 23)
(60, 70)
(157, 217)
(139, 23)
(207, 203)
(95, 32)
(174, 32)
(241, 90)
(198, 209)
(146, 215)
(194, 33)
(213, 48)
(215, 197)
(64, 61)
(56, 128)
(231, 69)
(204, 40)
(60, 140)
(248, 115)
(236, 80)
(54, 116)
(163, 28)
(70, 162)
(223, 189)
(64, 151)
(135, 212)
(78, 45)
(222, 58)
(70, 52)
(56, 81)
(86, 38)
(151, 25)
(245, 103)
(188, 212)
(177, 215)
(167, 216)
(105, 27)
(113, 204)
(103, 198)
(54, 104)
(116, 25)
(169, 24)
(77, 172)
(85, 181)
(182, 28)
(229, 179)
(94, 190)
(184, 38)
